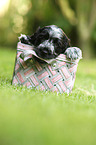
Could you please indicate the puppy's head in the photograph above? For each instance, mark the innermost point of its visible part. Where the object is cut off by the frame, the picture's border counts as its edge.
(49, 41)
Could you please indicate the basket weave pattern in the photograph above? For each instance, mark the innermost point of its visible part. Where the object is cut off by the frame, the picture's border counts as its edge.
(58, 76)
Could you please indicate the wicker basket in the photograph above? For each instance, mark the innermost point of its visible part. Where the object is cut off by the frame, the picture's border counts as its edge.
(54, 75)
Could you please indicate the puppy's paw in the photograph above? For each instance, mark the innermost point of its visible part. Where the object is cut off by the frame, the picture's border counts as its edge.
(73, 53)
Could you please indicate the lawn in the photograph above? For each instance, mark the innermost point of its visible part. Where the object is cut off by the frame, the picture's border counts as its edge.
(30, 117)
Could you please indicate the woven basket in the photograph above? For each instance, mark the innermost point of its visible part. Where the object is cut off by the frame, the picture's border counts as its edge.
(54, 75)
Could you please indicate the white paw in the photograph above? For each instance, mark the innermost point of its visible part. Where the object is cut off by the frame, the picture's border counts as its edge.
(73, 53)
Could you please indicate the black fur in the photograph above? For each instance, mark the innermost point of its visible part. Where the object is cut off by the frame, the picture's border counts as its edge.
(48, 42)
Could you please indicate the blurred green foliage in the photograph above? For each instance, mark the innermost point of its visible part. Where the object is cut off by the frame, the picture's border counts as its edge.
(76, 18)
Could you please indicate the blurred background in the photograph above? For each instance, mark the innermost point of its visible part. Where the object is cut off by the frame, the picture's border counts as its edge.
(77, 18)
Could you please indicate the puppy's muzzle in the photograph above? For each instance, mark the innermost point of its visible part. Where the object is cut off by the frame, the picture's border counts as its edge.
(45, 50)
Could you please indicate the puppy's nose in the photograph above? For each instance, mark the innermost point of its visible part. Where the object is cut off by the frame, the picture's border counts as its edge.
(45, 50)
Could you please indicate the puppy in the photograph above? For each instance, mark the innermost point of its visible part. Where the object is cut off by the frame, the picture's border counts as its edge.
(48, 42)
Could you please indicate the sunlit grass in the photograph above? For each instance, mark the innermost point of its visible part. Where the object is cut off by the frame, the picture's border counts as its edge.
(30, 117)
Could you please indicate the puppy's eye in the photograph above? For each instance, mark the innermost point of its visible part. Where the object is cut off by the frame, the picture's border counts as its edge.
(44, 36)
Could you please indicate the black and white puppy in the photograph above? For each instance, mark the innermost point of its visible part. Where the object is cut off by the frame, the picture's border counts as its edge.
(48, 42)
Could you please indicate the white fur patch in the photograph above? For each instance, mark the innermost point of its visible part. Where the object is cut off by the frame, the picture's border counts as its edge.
(47, 44)
(56, 32)
(23, 36)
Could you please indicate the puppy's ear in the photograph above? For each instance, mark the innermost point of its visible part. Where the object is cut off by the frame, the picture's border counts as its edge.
(66, 41)
(32, 38)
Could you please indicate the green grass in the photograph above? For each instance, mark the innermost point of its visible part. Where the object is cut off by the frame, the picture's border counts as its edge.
(30, 117)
